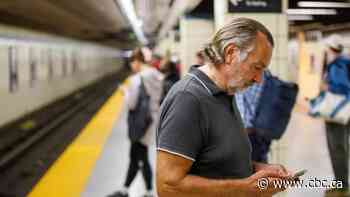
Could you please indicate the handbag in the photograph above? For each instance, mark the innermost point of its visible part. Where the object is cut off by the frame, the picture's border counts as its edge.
(140, 118)
(332, 107)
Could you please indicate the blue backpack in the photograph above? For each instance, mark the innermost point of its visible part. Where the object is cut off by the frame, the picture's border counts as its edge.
(140, 118)
(275, 107)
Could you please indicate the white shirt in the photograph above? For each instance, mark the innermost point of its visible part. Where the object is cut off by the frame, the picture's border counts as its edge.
(153, 81)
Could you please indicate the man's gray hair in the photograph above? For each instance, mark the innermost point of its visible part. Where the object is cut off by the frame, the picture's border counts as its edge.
(242, 33)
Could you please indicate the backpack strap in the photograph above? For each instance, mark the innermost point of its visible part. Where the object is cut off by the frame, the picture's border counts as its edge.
(142, 85)
(339, 107)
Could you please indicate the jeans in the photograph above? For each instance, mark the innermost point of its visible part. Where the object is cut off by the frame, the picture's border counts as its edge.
(139, 159)
(338, 146)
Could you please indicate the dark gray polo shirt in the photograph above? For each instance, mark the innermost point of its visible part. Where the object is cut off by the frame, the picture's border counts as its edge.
(199, 122)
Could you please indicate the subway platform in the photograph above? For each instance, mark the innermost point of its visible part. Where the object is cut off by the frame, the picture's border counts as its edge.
(95, 164)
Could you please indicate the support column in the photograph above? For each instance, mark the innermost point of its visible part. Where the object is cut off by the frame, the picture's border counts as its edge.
(220, 11)
(310, 67)
(195, 32)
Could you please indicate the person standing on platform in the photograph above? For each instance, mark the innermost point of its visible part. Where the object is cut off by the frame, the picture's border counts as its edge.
(151, 79)
(337, 81)
(202, 148)
(171, 77)
(200, 60)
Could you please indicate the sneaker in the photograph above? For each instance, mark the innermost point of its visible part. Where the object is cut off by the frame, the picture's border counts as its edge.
(118, 194)
(344, 192)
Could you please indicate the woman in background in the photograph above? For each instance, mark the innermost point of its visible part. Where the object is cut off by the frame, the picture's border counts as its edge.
(152, 80)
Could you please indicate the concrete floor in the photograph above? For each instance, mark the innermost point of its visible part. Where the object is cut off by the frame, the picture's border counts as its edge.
(302, 147)
(305, 147)
(110, 170)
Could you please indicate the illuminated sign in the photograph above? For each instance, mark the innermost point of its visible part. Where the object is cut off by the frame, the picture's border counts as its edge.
(255, 6)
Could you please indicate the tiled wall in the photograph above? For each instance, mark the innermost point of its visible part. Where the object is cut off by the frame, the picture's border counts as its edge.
(195, 33)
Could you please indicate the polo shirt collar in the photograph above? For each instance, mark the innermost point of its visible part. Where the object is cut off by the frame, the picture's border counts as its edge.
(206, 80)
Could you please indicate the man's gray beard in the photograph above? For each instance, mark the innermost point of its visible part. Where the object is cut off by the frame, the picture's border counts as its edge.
(236, 84)
(239, 87)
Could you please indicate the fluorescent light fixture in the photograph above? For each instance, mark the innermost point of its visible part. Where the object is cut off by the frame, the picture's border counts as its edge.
(128, 9)
(312, 11)
(300, 17)
(139, 23)
(178, 9)
(320, 4)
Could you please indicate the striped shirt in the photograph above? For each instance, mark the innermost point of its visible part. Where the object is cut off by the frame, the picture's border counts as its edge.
(247, 102)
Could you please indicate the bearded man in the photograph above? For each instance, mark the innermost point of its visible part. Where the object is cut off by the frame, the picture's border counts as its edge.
(202, 147)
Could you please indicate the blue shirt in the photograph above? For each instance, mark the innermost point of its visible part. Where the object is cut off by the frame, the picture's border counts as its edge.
(247, 102)
(337, 76)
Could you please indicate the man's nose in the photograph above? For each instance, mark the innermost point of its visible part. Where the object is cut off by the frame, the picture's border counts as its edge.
(258, 77)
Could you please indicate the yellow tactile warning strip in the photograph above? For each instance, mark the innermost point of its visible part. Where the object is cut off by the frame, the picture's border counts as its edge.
(68, 176)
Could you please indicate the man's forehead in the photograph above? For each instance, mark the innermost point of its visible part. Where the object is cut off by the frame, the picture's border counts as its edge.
(263, 57)
(261, 36)
(264, 50)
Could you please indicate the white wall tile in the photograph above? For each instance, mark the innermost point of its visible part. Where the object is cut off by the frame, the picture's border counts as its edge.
(283, 25)
(269, 20)
(281, 46)
(4, 69)
(194, 34)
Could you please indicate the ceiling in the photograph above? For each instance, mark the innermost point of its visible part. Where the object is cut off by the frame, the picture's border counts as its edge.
(104, 21)
(320, 21)
(101, 21)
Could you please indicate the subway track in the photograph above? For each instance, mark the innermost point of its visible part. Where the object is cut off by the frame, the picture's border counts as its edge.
(30, 145)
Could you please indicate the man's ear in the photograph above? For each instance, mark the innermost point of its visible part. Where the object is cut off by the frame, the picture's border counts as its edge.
(230, 53)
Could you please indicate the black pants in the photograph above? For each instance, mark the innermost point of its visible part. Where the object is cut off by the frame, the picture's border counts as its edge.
(139, 159)
(338, 146)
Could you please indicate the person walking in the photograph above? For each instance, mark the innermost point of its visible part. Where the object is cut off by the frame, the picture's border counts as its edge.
(151, 79)
(337, 81)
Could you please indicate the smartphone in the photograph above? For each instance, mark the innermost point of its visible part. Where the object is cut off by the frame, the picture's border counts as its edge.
(299, 174)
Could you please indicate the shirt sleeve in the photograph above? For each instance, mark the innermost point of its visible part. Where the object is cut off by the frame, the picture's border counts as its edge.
(180, 131)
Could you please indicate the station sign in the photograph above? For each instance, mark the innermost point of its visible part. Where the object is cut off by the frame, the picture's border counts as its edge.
(255, 6)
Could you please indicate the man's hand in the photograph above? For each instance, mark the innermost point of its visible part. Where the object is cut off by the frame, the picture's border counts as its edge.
(261, 183)
(324, 86)
(277, 168)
